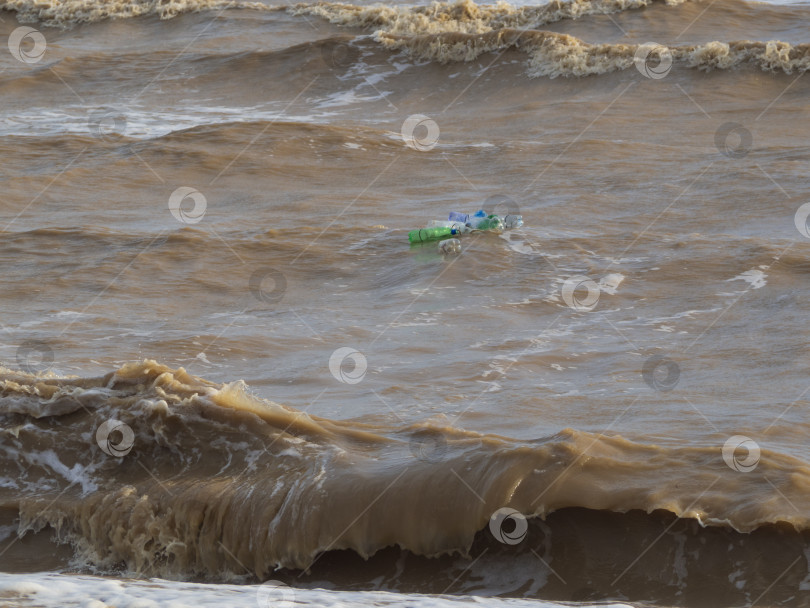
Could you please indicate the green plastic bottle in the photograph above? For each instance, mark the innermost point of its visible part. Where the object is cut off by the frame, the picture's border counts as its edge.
(431, 234)
(493, 222)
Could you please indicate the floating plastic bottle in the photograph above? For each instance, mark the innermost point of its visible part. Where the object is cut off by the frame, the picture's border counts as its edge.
(463, 223)
(481, 221)
(450, 247)
(431, 234)
(478, 221)
(467, 219)
(510, 222)
(462, 228)
(493, 222)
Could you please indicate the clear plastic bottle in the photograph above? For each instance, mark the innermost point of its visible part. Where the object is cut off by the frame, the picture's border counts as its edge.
(462, 228)
(431, 234)
(450, 247)
(510, 222)
(478, 221)
(467, 219)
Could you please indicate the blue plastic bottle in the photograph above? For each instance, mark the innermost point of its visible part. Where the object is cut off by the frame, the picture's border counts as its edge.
(466, 218)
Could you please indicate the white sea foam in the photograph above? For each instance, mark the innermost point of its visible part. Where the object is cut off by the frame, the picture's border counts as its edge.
(51, 590)
(141, 123)
(754, 277)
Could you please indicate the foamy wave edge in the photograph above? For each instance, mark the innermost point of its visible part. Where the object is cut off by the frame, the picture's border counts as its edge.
(462, 31)
(463, 16)
(66, 13)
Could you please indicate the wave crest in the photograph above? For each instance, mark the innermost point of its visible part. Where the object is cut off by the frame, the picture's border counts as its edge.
(65, 13)
(463, 16)
(209, 465)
